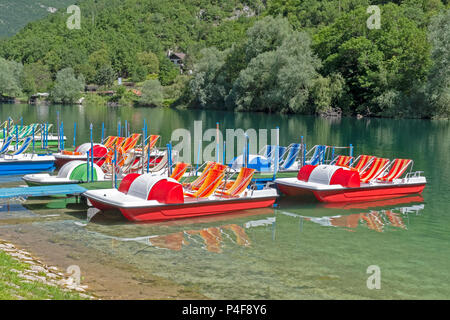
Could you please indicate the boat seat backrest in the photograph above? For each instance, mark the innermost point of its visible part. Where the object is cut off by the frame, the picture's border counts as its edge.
(398, 167)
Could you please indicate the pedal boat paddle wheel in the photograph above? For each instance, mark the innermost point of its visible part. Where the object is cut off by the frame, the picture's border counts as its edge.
(379, 179)
(143, 197)
(73, 172)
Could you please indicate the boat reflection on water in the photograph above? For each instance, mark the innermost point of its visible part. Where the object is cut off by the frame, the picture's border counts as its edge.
(213, 238)
(233, 230)
(374, 204)
(388, 213)
(212, 233)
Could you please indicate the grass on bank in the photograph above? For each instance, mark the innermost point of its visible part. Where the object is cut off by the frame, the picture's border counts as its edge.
(13, 287)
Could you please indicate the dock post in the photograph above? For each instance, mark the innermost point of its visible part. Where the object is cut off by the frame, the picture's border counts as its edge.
(351, 154)
(148, 158)
(145, 127)
(244, 158)
(92, 155)
(113, 178)
(59, 133)
(302, 147)
(144, 137)
(217, 142)
(332, 153)
(103, 131)
(17, 138)
(304, 154)
(74, 133)
(169, 151)
(277, 154)
(46, 135)
(114, 167)
(42, 135)
(224, 151)
(87, 166)
(247, 150)
(62, 135)
(33, 139)
(198, 156)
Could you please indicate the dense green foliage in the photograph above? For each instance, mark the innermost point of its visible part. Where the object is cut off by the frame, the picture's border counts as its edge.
(275, 56)
(275, 73)
(37, 78)
(10, 78)
(67, 87)
(152, 93)
(374, 62)
(120, 33)
(15, 14)
(439, 77)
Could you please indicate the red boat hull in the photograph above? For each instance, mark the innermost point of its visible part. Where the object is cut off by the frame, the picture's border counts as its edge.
(186, 210)
(355, 194)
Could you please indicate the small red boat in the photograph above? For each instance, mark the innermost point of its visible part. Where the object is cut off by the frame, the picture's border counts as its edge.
(148, 197)
(377, 179)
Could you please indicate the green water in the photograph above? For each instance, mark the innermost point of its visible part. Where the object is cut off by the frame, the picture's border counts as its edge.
(293, 251)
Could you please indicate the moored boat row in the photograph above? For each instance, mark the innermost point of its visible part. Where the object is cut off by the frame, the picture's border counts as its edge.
(148, 183)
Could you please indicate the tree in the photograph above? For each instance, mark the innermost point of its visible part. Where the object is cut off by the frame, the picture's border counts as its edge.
(99, 59)
(149, 60)
(37, 78)
(209, 86)
(87, 70)
(152, 93)
(361, 64)
(266, 35)
(273, 71)
(138, 72)
(67, 87)
(52, 60)
(10, 78)
(374, 61)
(326, 92)
(105, 76)
(438, 88)
(167, 71)
(279, 80)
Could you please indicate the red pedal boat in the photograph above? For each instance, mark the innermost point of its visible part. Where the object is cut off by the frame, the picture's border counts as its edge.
(379, 179)
(151, 198)
(79, 154)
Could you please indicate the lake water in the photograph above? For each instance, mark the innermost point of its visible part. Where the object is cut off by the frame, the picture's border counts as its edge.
(293, 251)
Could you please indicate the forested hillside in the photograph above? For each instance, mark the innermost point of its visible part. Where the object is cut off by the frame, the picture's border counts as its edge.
(274, 56)
(15, 14)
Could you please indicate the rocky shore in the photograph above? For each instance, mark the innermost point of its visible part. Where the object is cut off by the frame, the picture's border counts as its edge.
(38, 272)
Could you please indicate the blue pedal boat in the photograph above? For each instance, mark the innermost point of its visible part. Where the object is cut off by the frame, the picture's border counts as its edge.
(18, 162)
(26, 163)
